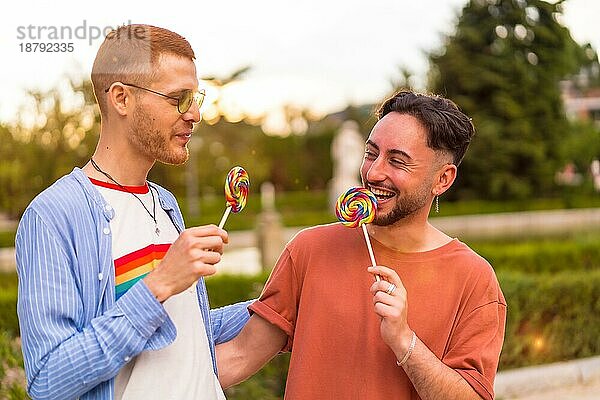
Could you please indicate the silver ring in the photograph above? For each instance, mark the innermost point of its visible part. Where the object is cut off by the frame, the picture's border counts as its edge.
(391, 289)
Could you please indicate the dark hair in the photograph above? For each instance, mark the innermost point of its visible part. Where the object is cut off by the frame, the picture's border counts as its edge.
(448, 128)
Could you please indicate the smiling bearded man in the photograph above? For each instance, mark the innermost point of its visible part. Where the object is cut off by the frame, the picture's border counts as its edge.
(432, 329)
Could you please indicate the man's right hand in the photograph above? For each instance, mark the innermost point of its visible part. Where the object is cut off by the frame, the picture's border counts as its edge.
(192, 255)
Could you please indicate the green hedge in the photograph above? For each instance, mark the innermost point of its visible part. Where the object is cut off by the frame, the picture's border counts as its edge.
(7, 238)
(224, 289)
(296, 208)
(8, 304)
(547, 255)
(12, 376)
(550, 317)
(12, 386)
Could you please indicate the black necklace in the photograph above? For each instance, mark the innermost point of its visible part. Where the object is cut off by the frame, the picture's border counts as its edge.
(151, 214)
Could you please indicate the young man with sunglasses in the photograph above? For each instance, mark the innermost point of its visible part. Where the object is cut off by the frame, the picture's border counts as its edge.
(112, 302)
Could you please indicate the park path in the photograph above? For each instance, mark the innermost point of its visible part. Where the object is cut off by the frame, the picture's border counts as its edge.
(568, 380)
(582, 391)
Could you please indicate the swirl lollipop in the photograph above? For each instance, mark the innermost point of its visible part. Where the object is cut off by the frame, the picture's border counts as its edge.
(236, 192)
(357, 207)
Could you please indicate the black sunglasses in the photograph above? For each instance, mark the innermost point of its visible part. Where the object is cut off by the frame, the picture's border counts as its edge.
(184, 100)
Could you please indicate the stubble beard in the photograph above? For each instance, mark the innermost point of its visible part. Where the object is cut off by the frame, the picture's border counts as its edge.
(151, 142)
(405, 206)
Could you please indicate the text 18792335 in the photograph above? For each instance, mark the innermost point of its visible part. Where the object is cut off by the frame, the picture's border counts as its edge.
(46, 47)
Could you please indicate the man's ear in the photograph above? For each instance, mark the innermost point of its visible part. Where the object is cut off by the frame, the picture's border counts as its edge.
(119, 98)
(445, 178)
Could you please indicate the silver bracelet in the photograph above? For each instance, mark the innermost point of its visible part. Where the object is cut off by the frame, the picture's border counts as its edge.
(413, 342)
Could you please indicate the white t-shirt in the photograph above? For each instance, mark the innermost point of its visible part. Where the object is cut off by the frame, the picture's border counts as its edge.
(182, 370)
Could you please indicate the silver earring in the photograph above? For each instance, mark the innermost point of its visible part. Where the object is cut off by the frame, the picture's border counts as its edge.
(437, 204)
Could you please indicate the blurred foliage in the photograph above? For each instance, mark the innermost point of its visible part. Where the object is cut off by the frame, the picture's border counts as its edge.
(551, 317)
(224, 289)
(299, 208)
(541, 255)
(8, 304)
(581, 145)
(503, 66)
(565, 200)
(7, 238)
(51, 138)
(295, 162)
(12, 375)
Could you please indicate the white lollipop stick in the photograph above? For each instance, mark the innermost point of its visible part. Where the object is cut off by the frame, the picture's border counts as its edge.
(224, 218)
(368, 240)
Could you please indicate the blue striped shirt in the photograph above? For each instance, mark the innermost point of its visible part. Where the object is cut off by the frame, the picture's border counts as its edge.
(75, 336)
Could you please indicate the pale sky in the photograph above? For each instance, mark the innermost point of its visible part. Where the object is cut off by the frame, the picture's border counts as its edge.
(316, 54)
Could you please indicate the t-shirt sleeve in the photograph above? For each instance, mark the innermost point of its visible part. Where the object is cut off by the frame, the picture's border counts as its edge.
(475, 348)
(279, 300)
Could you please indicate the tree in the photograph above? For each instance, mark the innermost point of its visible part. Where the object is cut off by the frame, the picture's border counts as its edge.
(59, 130)
(51, 137)
(503, 66)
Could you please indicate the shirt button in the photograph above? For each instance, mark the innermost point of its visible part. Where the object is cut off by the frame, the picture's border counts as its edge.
(100, 276)
(126, 359)
(106, 231)
(108, 207)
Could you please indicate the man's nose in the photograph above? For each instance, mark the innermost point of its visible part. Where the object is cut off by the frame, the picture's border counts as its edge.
(193, 114)
(376, 171)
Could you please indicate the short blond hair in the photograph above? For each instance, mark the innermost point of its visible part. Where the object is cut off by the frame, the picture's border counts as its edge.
(131, 53)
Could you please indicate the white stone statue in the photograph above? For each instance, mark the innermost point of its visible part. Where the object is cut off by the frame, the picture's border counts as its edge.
(595, 168)
(347, 151)
(269, 229)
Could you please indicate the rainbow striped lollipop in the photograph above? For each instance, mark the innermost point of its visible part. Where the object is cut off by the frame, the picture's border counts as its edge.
(236, 192)
(357, 207)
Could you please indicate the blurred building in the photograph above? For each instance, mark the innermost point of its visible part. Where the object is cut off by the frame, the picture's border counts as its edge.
(580, 101)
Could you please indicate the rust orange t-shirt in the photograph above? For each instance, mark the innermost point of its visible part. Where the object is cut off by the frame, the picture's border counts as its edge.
(318, 293)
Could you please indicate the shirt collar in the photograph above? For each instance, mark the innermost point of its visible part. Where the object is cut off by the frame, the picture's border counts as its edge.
(93, 193)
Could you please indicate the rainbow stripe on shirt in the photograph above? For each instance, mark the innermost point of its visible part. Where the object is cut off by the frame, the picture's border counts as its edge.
(134, 266)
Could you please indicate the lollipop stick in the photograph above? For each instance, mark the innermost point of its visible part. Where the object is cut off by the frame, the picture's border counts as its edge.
(225, 215)
(368, 240)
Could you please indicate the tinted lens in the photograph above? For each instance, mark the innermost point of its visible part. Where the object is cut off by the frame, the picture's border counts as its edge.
(187, 97)
(185, 101)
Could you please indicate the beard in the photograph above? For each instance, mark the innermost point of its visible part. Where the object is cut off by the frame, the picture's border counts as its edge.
(404, 207)
(151, 142)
